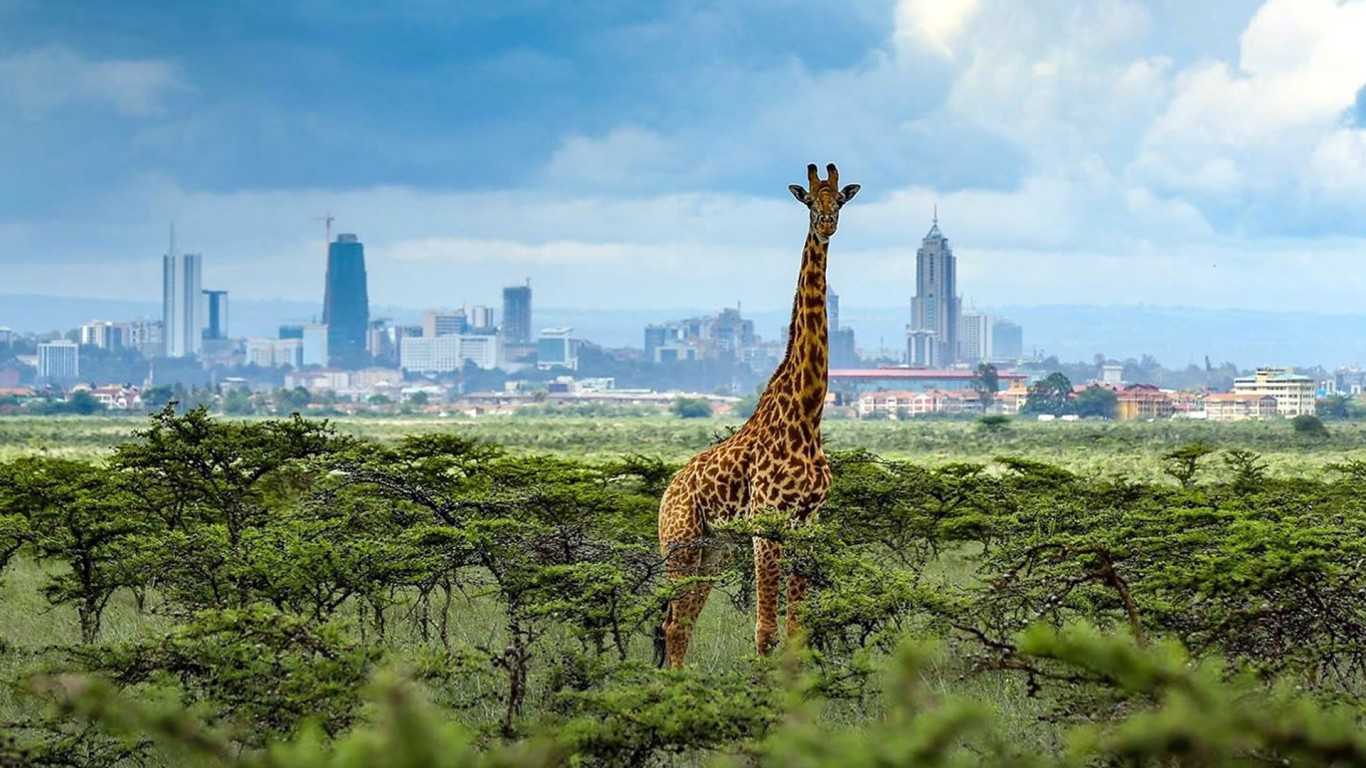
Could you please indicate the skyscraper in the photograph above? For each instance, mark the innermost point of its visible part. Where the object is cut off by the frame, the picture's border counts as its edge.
(181, 301)
(832, 308)
(517, 314)
(346, 302)
(215, 315)
(975, 338)
(1007, 341)
(935, 307)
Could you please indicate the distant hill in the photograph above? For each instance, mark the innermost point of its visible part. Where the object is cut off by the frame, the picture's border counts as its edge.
(1176, 336)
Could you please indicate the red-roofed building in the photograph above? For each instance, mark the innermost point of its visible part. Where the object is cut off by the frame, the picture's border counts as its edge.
(1141, 402)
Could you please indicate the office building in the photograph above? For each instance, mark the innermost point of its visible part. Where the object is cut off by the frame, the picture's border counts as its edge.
(832, 308)
(444, 322)
(517, 314)
(555, 349)
(479, 319)
(275, 353)
(346, 302)
(146, 336)
(974, 345)
(103, 334)
(842, 352)
(1007, 341)
(182, 302)
(923, 348)
(59, 361)
(448, 354)
(935, 308)
(725, 335)
(1295, 395)
(317, 344)
(215, 315)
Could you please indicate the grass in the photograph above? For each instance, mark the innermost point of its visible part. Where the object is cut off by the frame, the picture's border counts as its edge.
(1091, 448)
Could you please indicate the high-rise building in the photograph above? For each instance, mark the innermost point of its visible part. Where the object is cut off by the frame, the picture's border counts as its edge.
(517, 314)
(275, 353)
(447, 354)
(182, 302)
(215, 315)
(59, 361)
(317, 341)
(444, 322)
(346, 302)
(832, 308)
(146, 336)
(842, 351)
(479, 318)
(104, 334)
(936, 305)
(555, 349)
(1007, 341)
(974, 342)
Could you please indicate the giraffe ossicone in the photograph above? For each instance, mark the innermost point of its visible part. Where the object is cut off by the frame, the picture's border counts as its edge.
(774, 462)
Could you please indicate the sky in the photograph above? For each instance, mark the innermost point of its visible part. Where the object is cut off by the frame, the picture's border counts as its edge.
(629, 155)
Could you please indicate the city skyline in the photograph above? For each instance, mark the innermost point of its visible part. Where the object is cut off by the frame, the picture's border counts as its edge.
(1070, 149)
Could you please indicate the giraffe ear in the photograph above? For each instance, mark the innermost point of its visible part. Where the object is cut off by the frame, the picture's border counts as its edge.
(799, 192)
(848, 192)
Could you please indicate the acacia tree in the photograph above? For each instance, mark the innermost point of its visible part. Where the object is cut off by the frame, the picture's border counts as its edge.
(76, 514)
(213, 486)
(986, 382)
(1050, 395)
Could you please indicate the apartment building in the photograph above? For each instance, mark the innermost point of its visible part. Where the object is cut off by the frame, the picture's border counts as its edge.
(1295, 394)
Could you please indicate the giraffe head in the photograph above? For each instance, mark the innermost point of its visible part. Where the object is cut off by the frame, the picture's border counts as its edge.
(824, 199)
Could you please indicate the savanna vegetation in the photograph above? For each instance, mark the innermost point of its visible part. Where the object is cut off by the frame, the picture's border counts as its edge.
(296, 593)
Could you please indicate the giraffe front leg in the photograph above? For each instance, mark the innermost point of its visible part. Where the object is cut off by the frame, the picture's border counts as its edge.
(767, 583)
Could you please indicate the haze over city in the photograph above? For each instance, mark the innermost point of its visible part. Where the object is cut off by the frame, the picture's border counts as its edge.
(634, 156)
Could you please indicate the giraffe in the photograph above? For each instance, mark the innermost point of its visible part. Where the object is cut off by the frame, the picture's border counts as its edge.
(773, 462)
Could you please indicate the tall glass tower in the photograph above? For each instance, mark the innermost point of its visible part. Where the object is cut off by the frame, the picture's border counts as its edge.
(936, 307)
(517, 314)
(181, 302)
(346, 302)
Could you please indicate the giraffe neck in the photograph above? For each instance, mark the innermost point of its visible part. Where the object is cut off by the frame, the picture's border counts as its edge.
(803, 373)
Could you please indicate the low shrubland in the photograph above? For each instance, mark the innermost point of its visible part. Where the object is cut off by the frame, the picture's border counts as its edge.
(280, 593)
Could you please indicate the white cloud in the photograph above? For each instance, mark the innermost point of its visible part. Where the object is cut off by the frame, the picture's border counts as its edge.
(40, 80)
(1236, 132)
(934, 24)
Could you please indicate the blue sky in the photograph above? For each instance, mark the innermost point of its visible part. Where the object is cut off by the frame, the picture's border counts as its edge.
(628, 154)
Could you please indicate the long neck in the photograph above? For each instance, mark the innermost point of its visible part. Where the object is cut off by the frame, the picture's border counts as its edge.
(802, 375)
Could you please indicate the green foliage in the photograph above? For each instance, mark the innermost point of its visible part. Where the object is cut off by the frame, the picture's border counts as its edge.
(1183, 463)
(994, 423)
(690, 408)
(1049, 395)
(1309, 425)
(986, 382)
(235, 585)
(1096, 402)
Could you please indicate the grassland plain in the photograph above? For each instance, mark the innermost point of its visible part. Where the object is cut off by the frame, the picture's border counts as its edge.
(1097, 448)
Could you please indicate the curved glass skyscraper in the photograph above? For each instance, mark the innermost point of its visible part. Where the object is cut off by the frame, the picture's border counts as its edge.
(346, 302)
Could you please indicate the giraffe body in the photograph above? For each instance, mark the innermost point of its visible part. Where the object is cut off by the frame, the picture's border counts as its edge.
(774, 463)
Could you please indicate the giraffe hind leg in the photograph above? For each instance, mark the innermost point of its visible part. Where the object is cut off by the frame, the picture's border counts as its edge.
(685, 561)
